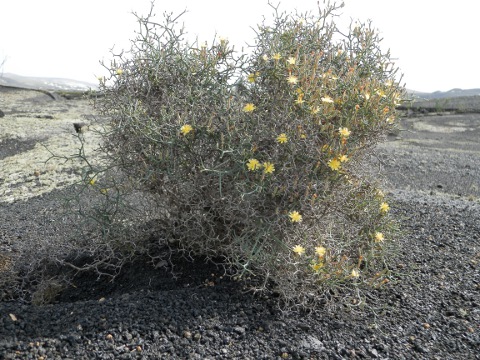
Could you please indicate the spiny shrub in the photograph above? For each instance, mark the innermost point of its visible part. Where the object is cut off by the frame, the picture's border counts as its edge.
(256, 157)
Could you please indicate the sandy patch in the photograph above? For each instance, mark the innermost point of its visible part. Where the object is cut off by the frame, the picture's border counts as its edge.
(47, 126)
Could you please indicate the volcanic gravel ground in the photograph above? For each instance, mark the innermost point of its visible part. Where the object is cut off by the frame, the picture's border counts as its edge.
(431, 311)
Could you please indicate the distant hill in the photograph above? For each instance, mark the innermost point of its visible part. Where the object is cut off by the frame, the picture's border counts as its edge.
(455, 99)
(454, 93)
(45, 83)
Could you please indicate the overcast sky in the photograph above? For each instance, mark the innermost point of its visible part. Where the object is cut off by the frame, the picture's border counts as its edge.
(435, 42)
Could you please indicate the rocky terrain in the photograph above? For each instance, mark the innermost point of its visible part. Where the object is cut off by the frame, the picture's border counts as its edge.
(429, 310)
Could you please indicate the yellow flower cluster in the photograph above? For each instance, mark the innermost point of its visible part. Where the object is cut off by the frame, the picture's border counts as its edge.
(252, 77)
(334, 164)
(379, 237)
(249, 107)
(327, 100)
(320, 251)
(292, 80)
(384, 207)
(344, 132)
(254, 164)
(268, 167)
(295, 216)
(282, 138)
(299, 250)
(185, 129)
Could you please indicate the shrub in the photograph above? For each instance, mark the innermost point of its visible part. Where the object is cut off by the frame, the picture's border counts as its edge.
(256, 158)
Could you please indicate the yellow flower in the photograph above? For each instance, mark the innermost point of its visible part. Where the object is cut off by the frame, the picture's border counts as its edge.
(268, 167)
(384, 207)
(299, 100)
(252, 77)
(185, 129)
(295, 216)
(104, 191)
(334, 164)
(379, 237)
(92, 181)
(299, 250)
(253, 164)
(282, 138)
(119, 71)
(292, 80)
(249, 107)
(223, 40)
(367, 96)
(265, 58)
(343, 158)
(277, 56)
(355, 273)
(291, 61)
(344, 132)
(327, 99)
(398, 100)
(314, 110)
(317, 266)
(320, 251)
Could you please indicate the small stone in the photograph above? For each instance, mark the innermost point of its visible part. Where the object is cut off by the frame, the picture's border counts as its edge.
(239, 330)
(426, 326)
(109, 337)
(373, 353)
(80, 127)
(187, 334)
(421, 349)
(13, 317)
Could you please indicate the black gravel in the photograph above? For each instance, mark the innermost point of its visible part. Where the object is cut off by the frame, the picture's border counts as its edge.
(430, 310)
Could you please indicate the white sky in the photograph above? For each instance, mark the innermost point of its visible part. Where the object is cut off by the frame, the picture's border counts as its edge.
(435, 42)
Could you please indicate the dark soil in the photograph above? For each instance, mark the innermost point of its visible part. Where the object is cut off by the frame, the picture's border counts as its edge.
(430, 309)
(10, 147)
